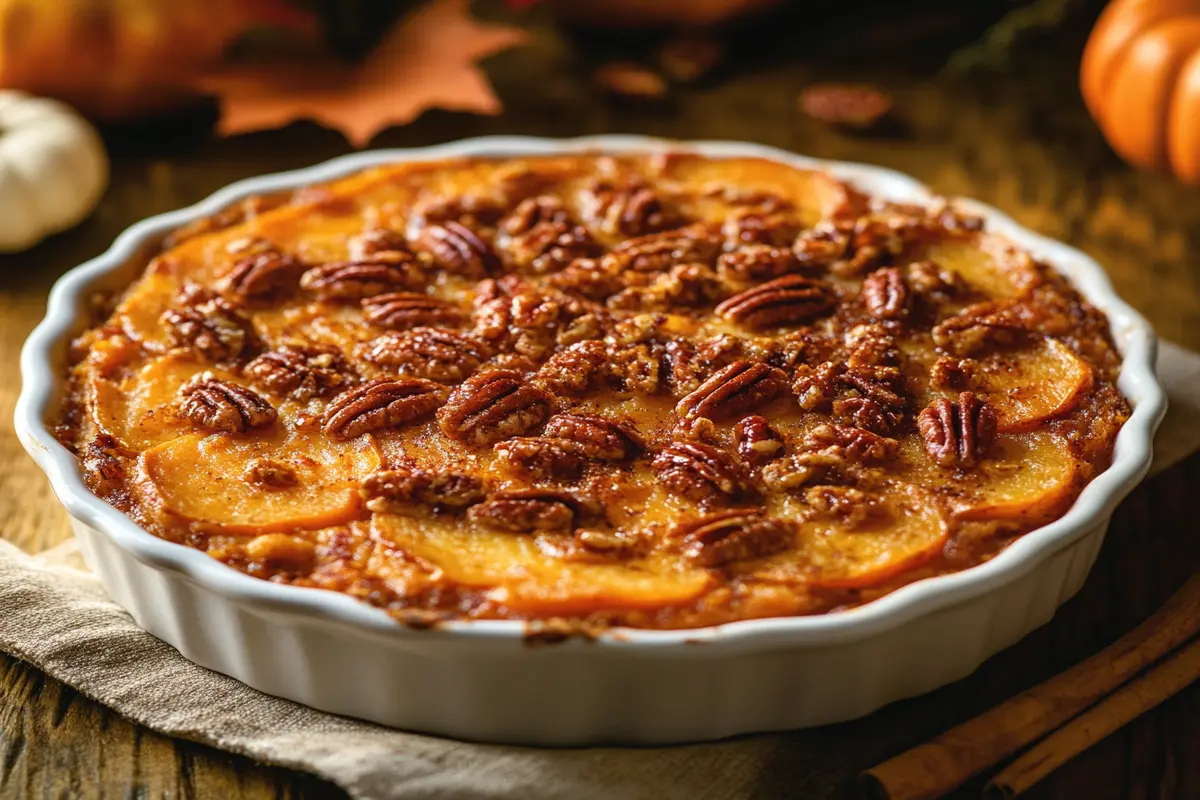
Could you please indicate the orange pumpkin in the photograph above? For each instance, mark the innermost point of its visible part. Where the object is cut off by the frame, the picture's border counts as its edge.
(114, 59)
(655, 13)
(1141, 81)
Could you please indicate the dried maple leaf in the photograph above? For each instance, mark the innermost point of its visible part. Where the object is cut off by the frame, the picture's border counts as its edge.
(428, 60)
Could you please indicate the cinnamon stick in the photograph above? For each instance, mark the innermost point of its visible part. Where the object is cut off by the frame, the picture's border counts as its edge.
(936, 767)
(1130, 701)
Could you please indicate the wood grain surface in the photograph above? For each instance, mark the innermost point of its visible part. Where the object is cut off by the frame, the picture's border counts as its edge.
(1017, 138)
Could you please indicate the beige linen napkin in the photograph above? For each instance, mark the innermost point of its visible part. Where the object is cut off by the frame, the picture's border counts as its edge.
(56, 616)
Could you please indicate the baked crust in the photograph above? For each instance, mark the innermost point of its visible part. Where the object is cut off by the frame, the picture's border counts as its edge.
(662, 391)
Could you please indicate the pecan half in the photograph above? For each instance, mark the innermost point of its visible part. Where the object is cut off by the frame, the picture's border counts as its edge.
(952, 373)
(597, 437)
(729, 536)
(402, 310)
(631, 209)
(868, 397)
(599, 546)
(534, 211)
(382, 242)
(211, 329)
(354, 280)
(437, 354)
(529, 510)
(592, 364)
(957, 434)
(1001, 323)
(591, 278)
(299, 372)
(493, 406)
(822, 245)
(695, 244)
(458, 249)
(885, 294)
(859, 445)
(790, 300)
(757, 441)
(757, 262)
(394, 491)
(261, 276)
(266, 473)
(701, 473)
(218, 405)
(551, 246)
(734, 390)
(542, 457)
(381, 403)
(752, 226)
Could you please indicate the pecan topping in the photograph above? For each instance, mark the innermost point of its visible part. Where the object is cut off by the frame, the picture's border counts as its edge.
(594, 279)
(542, 457)
(790, 300)
(535, 211)
(885, 294)
(695, 429)
(695, 244)
(551, 246)
(218, 405)
(393, 491)
(739, 387)
(730, 536)
(929, 280)
(597, 437)
(860, 446)
(701, 473)
(401, 310)
(493, 406)
(261, 276)
(211, 328)
(757, 262)
(266, 473)
(434, 353)
(626, 210)
(529, 510)
(952, 373)
(822, 245)
(381, 403)
(756, 441)
(353, 280)
(468, 210)
(1000, 323)
(601, 546)
(868, 397)
(592, 364)
(516, 316)
(957, 434)
(846, 504)
(457, 249)
(385, 243)
(299, 372)
(758, 226)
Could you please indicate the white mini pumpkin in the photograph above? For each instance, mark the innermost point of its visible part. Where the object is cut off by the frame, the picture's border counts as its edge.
(53, 169)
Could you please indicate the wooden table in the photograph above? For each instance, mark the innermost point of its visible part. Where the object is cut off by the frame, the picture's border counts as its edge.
(1018, 138)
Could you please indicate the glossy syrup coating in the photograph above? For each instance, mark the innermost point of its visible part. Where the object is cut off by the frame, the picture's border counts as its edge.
(660, 391)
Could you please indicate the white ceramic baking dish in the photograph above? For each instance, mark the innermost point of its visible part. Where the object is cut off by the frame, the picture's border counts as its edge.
(484, 680)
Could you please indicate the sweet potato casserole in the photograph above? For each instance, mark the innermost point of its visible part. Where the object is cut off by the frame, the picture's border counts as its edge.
(662, 391)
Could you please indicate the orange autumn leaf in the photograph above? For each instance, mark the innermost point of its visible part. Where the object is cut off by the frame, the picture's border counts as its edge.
(427, 61)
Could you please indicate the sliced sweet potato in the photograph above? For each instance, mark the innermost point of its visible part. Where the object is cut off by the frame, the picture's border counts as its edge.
(206, 480)
(907, 531)
(136, 411)
(983, 262)
(1029, 385)
(1026, 478)
(815, 194)
(524, 578)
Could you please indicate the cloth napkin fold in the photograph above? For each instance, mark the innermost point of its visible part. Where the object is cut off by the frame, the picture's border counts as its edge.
(56, 616)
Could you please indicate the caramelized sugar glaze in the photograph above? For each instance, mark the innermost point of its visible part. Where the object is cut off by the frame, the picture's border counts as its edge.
(660, 391)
